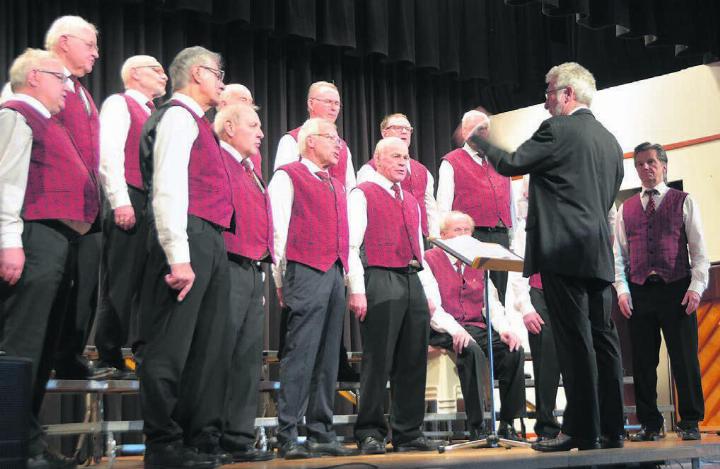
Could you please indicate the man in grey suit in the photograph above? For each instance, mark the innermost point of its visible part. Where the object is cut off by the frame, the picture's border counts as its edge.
(575, 167)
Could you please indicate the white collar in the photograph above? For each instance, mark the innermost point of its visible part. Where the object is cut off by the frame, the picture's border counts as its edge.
(34, 103)
(140, 98)
(189, 102)
(235, 154)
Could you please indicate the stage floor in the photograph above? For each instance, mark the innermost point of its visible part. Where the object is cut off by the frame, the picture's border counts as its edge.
(676, 453)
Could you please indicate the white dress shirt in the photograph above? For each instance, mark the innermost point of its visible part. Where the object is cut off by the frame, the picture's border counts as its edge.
(114, 128)
(699, 262)
(282, 194)
(442, 321)
(288, 152)
(431, 208)
(357, 221)
(15, 153)
(6, 93)
(446, 185)
(175, 135)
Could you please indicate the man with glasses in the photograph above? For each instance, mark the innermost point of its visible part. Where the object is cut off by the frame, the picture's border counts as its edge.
(323, 101)
(575, 167)
(74, 41)
(419, 182)
(661, 271)
(311, 256)
(49, 200)
(467, 183)
(124, 226)
(184, 299)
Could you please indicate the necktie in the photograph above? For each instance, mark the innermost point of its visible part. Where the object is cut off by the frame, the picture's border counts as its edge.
(459, 267)
(396, 190)
(325, 176)
(251, 174)
(650, 207)
(80, 91)
(150, 105)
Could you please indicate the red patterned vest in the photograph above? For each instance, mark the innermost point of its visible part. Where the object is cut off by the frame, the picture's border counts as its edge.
(138, 116)
(60, 185)
(209, 192)
(536, 281)
(657, 243)
(415, 182)
(83, 128)
(479, 190)
(253, 234)
(318, 231)
(391, 236)
(339, 171)
(463, 297)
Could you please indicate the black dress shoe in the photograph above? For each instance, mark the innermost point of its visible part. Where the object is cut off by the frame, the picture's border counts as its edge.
(293, 450)
(688, 434)
(221, 456)
(333, 448)
(177, 456)
(612, 441)
(566, 443)
(542, 437)
(51, 460)
(645, 434)
(250, 455)
(371, 445)
(421, 443)
(508, 432)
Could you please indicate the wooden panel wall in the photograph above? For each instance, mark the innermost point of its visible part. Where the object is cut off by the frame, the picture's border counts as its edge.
(709, 349)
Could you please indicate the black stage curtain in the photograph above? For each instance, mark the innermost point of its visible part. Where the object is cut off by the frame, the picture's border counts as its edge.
(430, 59)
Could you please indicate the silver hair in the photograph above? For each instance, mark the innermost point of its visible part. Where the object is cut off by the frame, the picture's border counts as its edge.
(576, 76)
(448, 217)
(187, 58)
(231, 112)
(136, 61)
(66, 25)
(474, 114)
(311, 126)
(386, 142)
(24, 63)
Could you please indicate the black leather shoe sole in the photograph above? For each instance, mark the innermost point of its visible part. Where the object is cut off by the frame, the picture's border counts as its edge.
(252, 456)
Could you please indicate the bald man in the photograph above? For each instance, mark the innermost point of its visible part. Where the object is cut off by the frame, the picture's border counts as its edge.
(388, 298)
(467, 183)
(124, 226)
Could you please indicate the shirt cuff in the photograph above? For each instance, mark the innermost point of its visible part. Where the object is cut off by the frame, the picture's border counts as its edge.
(697, 286)
(11, 240)
(119, 199)
(277, 276)
(621, 288)
(356, 284)
(178, 253)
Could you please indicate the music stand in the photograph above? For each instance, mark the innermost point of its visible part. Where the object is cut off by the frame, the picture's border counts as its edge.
(487, 256)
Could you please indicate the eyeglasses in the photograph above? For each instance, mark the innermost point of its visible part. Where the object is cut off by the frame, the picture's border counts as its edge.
(333, 138)
(155, 68)
(329, 102)
(399, 128)
(219, 74)
(549, 92)
(59, 75)
(89, 44)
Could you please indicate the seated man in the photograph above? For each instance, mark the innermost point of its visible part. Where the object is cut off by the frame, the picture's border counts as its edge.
(458, 323)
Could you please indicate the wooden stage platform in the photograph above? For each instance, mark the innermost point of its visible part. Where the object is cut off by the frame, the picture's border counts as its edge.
(670, 451)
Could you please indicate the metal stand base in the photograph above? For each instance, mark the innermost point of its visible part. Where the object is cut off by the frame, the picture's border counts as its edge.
(492, 441)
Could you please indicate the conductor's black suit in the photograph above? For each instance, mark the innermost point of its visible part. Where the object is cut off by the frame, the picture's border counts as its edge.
(575, 167)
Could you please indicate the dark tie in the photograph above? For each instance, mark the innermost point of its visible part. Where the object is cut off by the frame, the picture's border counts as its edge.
(80, 91)
(325, 177)
(150, 105)
(650, 207)
(396, 190)
(459, 267)
(251, 174)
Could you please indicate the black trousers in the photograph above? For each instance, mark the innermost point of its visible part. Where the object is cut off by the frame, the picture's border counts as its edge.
(123, 259)
(183, 374)
(82, 307)
(588, 352)
(472, 366)
(245, 340)
(657, 308)
(395, 340)
(546, 369)
(32, 311)
(308, 368)
(498, 236)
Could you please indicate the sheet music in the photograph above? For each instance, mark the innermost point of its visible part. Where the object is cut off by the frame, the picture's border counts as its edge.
(478, 254)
